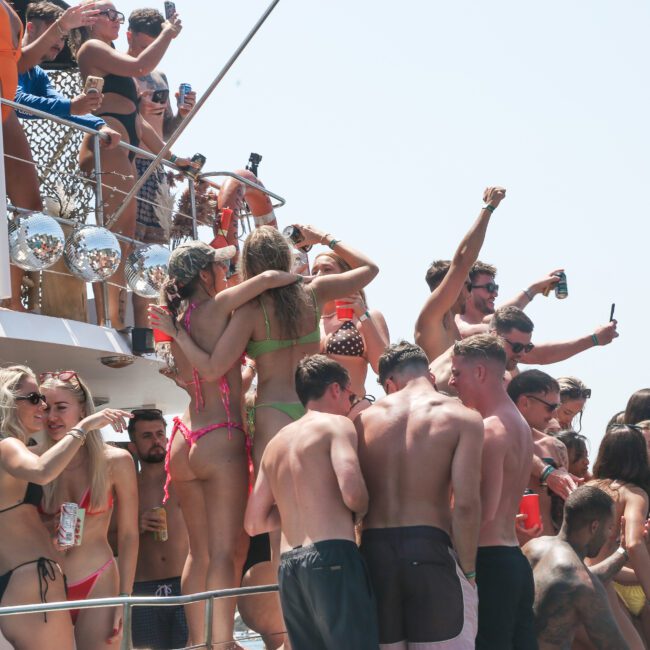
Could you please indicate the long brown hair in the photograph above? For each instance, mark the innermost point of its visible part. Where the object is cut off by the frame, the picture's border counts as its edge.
(267, 250)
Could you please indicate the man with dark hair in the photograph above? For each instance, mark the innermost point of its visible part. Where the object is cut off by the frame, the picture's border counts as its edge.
(160, 563)
(36, 90)
(568, 594)
(504, 578)
(435, 329)
(417, 447)
(537, 396)
(310, 485)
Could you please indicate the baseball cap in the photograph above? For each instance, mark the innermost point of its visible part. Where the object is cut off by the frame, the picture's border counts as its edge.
(191, 257)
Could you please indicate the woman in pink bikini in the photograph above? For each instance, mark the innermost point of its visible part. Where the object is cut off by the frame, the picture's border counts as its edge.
(98, 477)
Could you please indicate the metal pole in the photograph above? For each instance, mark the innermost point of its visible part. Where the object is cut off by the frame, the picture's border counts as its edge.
(209, 606)
(99, 215)
(127, 643)
(192, 189)
(183, 125)
(5, 268)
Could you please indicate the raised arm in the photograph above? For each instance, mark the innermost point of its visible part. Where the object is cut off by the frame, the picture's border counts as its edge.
(466, 484)
(261, 514)
(546, 353)
(444, 296)
(525, 296)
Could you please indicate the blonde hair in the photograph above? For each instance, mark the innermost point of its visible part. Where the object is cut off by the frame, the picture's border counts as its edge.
(98, 462)
(11, 378)
(266, 249)
(344, 266)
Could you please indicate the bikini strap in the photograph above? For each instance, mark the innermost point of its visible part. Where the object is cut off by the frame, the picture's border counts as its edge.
(267, 324)
(45, 570)
(168, 478)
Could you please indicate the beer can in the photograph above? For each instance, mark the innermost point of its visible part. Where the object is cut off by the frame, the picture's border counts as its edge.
(183, 90)
(67, 524)
(561, 288)
(161, 535)
(295, 236)
(79, 528)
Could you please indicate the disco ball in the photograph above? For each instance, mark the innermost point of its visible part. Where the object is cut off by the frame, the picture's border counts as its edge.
(36, 241)
(146, 269)
(92, 253)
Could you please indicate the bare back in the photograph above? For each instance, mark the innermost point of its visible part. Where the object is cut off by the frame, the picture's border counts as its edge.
(298, 463)
(407, 443)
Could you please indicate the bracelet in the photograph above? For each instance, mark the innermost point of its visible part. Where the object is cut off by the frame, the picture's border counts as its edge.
(333, 243)
(594, 338)
(528, 294)
(79, 434)
(489, 207)
(364, 316)
(623, 552)
(471, 575)
(548, 470)
(63, 33)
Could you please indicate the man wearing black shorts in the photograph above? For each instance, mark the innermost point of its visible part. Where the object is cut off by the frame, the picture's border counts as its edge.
(417, 447)
(505, 581)
(310, 485)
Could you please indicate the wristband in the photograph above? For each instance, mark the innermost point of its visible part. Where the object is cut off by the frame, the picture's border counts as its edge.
(623, 552)
(548, 470)
(173, 158)
(594, 338)
(265, 219)
(489, 207)
(471, 575)
(333, 243)
(364, 316)
(528, 294)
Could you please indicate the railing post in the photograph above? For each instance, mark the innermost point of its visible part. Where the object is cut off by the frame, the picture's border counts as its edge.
(192, 189)
(99, 215)
(5, 268)
(209, 606)
(127, 643)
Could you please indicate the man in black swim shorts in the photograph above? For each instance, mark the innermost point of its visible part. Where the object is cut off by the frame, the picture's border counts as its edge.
(417, 447)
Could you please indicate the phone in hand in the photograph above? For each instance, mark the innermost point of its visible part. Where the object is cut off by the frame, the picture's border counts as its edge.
(170, 9)
(160, 96)
(93, 85)
(611, 312)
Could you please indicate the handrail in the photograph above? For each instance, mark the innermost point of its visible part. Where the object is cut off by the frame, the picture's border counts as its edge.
(139, 601)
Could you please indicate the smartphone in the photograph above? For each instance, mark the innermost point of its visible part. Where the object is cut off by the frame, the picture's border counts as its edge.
(170, 9)
(611, 312)
(93, 85)
(160, 96)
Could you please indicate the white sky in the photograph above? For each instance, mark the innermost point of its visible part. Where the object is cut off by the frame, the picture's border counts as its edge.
(382, 123)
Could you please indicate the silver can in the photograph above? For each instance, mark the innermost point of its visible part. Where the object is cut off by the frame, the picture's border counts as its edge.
(68, 524)
(183, 90)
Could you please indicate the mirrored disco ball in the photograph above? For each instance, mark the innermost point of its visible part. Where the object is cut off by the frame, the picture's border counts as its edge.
(92, 253)
(146, 269)
(36, 241)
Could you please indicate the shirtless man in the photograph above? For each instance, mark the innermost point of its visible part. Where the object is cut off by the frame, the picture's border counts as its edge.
(568, 593)
(160, 564)
(417, 447)
(537, 396)
(435, 329)
(504, 578)
(310, 485)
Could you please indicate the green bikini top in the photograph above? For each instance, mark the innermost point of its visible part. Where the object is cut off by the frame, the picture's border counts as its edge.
(255, 349)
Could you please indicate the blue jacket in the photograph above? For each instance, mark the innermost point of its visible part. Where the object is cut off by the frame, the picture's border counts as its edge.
(36, 90)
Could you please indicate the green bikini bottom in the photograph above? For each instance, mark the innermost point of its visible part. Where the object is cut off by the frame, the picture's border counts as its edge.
(294, 410)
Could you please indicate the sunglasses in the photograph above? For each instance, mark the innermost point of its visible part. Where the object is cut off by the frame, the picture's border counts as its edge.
(622, 425)
(154, 412)
(520, 347)
(490, 287)
(33, 398)
(549, 406)
(63, 375)
(576, 393)
(112, 15)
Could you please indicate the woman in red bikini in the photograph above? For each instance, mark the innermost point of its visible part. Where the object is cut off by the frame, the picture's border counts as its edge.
(30, 569)
(98, 477)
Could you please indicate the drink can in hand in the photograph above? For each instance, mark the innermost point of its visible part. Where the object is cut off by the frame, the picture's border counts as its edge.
(561, 288)
(161, 535)
(529, 506)
(67, 524)
(343, 310)
(183, 90)
(93, 85)
(295, 236)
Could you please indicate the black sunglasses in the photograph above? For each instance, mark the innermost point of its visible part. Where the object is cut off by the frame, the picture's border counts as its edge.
(622, 425)
(153, 412)
(490, 287)
(576, 393)
(520, 347)
(550, 407)
(112, 15)
(33, 398)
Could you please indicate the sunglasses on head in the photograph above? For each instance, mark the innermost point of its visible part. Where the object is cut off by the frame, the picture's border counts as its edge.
(113, 15)
(577, 393)
(520, 347)
(33, 398)
(153, 412)
(63, 375)
(549, 406)
(622, 425)
(490, 287)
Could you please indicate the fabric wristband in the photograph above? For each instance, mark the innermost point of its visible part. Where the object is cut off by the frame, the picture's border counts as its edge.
(623, 552)
(528, 294)
(594, 338)
(548, 470)
(364, 316)
(489, 207)
(470, 575)
(173, 158)
(333, 243)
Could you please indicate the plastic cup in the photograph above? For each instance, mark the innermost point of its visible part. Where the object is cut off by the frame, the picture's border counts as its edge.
(343, 311)
(159, 336)
(529, 506)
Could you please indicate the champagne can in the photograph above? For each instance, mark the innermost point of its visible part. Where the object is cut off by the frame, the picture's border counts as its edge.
(161, 535)
(68, 524)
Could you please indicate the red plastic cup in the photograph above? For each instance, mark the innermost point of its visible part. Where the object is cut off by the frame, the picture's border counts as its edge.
(343, 312)
(529, 506)
(159, 336)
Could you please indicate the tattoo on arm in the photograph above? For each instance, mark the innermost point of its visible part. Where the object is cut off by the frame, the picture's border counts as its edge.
(594, 612)
(609, 567)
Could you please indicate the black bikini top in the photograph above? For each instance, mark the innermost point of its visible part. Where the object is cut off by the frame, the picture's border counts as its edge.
(346, 341)
(33, 497)
(119, 85)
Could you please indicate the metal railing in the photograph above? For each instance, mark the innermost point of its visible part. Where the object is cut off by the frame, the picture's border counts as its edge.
(128, 602)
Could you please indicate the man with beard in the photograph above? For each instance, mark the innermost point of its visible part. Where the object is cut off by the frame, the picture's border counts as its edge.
(568, 593)
(160, 563)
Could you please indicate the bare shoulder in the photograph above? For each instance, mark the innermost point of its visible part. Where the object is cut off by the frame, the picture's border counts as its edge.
(120, 461)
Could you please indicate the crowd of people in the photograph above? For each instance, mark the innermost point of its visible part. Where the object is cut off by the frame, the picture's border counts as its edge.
(392, 523)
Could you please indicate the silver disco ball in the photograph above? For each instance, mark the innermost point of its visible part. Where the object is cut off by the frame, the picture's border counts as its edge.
(92, 253)
(36, 241)
(146, 269)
